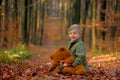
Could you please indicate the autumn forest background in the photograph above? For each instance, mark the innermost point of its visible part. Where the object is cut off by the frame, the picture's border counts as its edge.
(34, 29)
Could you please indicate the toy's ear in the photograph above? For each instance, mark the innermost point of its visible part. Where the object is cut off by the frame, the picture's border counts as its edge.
(62, 49)
(51, 57)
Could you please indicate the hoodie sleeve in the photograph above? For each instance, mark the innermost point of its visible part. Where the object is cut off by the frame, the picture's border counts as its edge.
(80, 55)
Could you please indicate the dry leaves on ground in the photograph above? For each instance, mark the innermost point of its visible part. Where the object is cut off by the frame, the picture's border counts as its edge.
(102, 67)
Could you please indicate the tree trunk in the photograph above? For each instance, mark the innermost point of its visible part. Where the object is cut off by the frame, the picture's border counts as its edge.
(42, 21)
(93, 26)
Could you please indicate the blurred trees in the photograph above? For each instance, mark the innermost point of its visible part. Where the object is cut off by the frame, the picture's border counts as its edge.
(23, 21)
(33, 21)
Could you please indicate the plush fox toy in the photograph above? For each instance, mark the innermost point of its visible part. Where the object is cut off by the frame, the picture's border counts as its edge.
(61, 56)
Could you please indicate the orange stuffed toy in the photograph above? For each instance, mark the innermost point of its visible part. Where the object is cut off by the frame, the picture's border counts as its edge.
(61, 56)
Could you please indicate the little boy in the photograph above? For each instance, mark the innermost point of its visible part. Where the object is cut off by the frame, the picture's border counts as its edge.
(76, 48)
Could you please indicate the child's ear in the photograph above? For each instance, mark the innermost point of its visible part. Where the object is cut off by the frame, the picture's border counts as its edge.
(80, 33)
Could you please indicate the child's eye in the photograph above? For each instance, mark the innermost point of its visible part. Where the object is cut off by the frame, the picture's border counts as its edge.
(70, 33)
(74, 33)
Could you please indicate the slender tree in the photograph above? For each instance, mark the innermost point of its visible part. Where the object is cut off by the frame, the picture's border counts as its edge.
(42, 21)
(76, 12)
(93, 25)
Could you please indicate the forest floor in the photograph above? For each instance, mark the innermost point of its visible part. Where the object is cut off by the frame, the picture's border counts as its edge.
(101, 67)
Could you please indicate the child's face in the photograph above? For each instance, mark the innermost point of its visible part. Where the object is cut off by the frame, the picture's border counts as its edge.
(74, 35)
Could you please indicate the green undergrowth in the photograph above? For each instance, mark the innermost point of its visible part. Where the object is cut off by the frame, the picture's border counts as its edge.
(19, 54)
(97, 52)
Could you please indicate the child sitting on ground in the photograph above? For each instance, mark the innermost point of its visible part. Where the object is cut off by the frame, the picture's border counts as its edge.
(77, 50)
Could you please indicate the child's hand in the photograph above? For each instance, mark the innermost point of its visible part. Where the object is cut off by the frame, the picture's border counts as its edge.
(52, 66)
(66, 65)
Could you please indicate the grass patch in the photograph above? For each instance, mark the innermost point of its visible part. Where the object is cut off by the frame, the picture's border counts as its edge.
(18, 54)
(97, 52)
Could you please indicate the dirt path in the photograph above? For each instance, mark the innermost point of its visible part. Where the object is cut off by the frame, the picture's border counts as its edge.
(54, 30)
